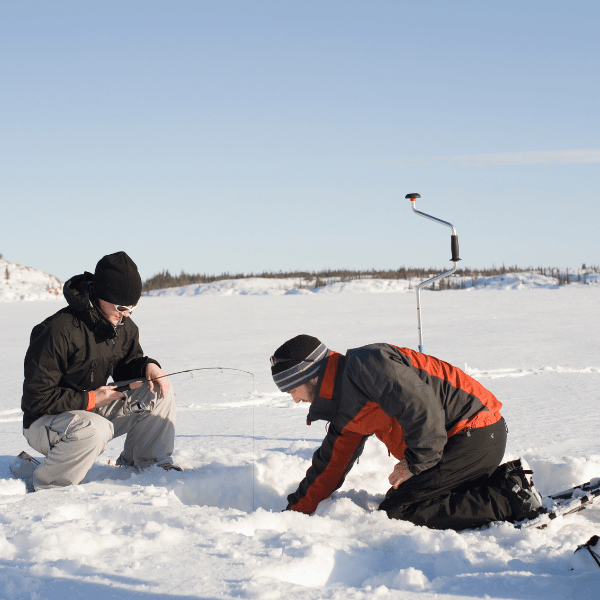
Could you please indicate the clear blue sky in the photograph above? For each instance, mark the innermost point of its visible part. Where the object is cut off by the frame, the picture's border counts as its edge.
(272, 135)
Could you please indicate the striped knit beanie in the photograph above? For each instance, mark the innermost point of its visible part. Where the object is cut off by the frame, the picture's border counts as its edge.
(297, 361)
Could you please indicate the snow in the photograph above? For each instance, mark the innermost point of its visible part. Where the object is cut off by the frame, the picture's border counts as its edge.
(18, 282)
(216, 530)
(295, 285)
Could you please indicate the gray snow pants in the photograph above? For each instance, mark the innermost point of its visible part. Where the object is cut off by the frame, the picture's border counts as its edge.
(72, 441)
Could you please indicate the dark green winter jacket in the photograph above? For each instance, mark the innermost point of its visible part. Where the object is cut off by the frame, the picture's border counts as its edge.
(77, 350)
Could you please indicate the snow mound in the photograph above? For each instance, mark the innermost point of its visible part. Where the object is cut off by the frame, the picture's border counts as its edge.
(18, 282)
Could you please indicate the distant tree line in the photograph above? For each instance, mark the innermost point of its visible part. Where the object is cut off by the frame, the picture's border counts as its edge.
(314, 279)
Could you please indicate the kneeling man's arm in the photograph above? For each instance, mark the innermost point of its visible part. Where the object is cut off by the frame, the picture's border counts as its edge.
(330, 465)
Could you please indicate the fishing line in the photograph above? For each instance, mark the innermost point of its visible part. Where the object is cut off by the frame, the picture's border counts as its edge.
(126, 387)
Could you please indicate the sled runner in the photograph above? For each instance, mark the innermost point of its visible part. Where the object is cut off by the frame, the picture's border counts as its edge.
(584, 487)
(565, 503)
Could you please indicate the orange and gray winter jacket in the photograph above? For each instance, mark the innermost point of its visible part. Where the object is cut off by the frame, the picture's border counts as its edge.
(411, 401)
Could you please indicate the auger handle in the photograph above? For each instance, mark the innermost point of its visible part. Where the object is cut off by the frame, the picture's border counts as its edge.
(455, 258)
(454, 247)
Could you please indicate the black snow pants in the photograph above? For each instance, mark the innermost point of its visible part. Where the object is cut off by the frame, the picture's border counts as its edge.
(460, 492)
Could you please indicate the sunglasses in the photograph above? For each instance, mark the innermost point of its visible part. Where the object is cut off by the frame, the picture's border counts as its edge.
(275, 360)
(123, 309)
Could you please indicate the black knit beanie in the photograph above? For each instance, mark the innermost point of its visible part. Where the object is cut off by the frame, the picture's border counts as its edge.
(297, 361)
(117, 280)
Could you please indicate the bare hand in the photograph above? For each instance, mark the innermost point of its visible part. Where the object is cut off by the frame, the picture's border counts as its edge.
(155, 373)
(106, 395)
(400, 474)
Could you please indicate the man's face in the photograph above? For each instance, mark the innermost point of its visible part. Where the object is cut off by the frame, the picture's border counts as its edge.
(111, 313)
(305, 392)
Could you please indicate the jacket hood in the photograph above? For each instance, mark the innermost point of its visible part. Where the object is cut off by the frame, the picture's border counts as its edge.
(77, 292)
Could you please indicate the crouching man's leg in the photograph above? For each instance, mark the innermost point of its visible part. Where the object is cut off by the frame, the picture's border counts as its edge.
(71, 442)
(454, 494)
(150, 431)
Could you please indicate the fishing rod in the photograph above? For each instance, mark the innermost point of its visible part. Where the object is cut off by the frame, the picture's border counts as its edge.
(134, 385)
(134, 405)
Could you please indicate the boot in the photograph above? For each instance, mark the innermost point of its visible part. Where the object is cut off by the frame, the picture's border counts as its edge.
(517, 482)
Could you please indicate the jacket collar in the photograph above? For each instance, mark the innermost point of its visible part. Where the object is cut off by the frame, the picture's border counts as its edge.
(327, 398)
(77, 294)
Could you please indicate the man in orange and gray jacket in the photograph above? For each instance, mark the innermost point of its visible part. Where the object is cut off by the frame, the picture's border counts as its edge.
(444, 428)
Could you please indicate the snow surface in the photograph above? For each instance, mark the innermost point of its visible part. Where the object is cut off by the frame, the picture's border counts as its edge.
(217, 530)
(18, 282)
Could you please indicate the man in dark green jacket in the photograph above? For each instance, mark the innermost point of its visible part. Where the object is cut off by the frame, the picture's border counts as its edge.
(69, 411)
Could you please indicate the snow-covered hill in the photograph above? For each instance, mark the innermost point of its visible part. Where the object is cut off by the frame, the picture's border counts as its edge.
(270, 286)
(18, 282)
